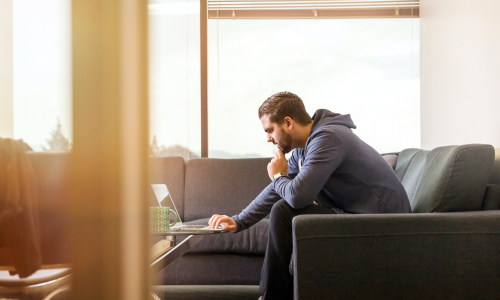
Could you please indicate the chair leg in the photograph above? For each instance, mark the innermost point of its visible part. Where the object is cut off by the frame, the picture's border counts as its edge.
(57, 291)
(154, 296)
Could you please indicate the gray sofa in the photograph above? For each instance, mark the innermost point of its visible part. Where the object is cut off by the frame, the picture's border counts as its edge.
(448, 249)
(200, 188)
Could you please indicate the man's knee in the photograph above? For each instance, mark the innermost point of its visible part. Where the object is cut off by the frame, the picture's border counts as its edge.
(280, 220)
(280, 207)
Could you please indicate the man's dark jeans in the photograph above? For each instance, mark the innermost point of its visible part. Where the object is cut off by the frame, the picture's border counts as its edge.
(276, 281)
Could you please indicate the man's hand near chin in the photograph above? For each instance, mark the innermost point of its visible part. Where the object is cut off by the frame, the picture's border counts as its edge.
(277, 165)
(227, 222)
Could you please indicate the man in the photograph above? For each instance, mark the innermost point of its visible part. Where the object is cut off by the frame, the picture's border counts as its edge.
(331, 171)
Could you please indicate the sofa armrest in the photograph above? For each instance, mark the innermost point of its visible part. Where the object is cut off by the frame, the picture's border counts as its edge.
(397, 256)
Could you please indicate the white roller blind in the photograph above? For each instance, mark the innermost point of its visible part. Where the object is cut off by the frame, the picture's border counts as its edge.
(289, 9)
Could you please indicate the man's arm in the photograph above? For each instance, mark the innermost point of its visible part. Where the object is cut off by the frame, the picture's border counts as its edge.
(324, 155)
(257, 209)
(262, 205)
(253, 213)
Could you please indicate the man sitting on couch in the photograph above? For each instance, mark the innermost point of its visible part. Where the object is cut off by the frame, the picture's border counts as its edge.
(331, 171)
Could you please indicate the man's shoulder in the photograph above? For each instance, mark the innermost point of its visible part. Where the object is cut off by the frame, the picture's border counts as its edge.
(332, 130)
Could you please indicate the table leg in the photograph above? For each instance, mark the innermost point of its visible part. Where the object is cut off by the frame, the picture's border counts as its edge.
(171, 255)
(177, 251)
(172, 239)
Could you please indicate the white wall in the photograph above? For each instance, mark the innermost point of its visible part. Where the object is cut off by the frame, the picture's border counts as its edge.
(6, 70)
(460, 72)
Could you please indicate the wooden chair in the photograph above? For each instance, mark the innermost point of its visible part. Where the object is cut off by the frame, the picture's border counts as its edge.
(54, 276)
(46, 283)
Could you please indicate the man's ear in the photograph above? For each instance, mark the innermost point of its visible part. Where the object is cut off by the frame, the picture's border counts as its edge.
(288, 122)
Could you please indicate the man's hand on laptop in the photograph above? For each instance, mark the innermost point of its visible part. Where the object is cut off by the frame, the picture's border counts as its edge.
(227, 222)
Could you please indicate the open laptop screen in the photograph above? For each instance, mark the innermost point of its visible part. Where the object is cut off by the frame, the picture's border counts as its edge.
(164, 198)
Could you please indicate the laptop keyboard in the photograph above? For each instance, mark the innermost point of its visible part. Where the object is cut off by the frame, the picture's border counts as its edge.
(194, 226)
(200, 227)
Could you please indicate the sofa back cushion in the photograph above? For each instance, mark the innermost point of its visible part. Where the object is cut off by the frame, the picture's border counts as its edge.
(391, 159)
(170, 171)
(222, 186)
(492, 195)
(495, 174)
(446, 179)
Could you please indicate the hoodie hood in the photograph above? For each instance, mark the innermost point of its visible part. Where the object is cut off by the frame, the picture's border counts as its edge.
(324, 117)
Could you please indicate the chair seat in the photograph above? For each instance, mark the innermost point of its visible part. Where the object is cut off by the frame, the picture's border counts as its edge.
(40, 276)
(250, 241)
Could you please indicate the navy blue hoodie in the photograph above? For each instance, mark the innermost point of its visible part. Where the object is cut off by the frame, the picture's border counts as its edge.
(338, 170)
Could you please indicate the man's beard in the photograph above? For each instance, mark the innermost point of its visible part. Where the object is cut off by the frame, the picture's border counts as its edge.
(285, 143)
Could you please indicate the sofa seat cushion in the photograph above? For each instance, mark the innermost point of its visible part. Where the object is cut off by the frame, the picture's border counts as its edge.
(250, 241)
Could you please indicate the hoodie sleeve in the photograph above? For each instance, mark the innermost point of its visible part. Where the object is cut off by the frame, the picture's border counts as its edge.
(324, 154)
(261, 206)
(257, 209)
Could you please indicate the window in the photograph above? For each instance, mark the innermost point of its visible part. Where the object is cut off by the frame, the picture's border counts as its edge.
(365, 67)
(174, 57)
(42, 73)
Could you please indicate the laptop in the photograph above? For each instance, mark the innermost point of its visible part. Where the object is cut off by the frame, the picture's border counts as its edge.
(165, 200)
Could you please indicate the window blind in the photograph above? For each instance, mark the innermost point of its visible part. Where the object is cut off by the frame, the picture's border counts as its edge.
(309, 9)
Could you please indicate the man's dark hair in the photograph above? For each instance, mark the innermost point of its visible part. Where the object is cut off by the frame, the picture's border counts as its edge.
(285, 104)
